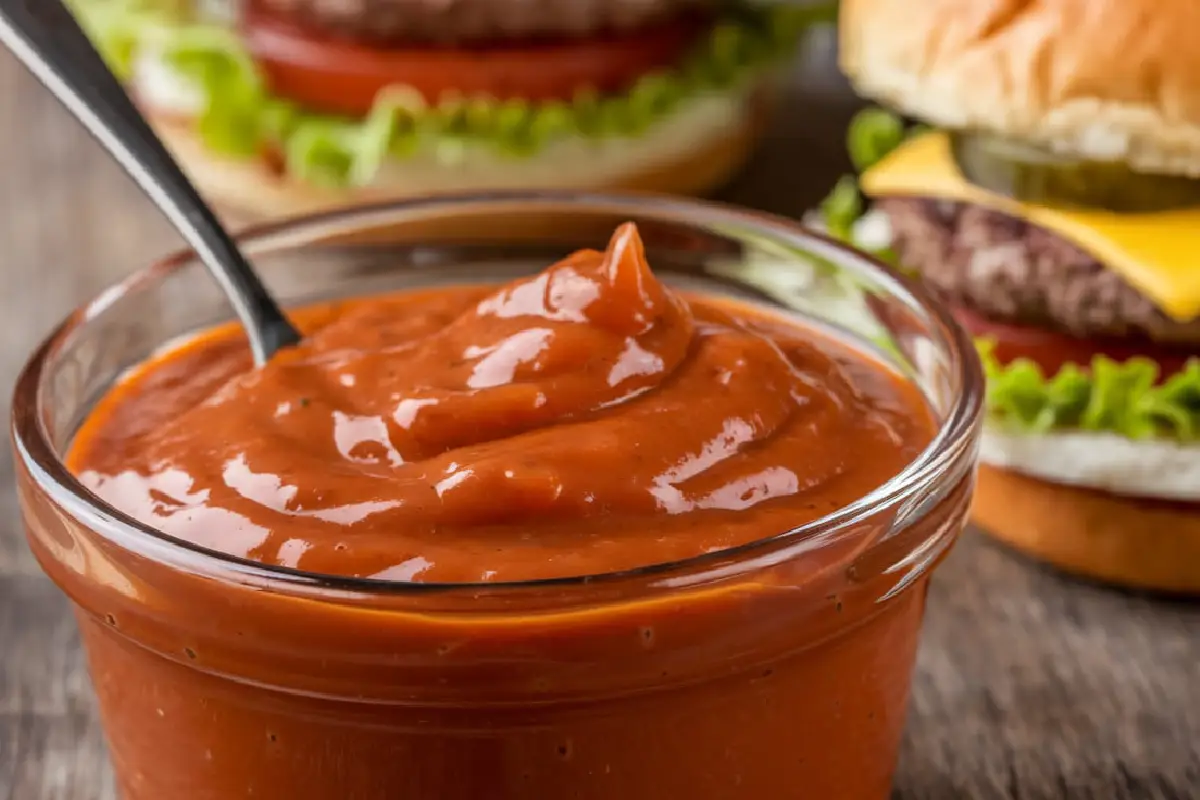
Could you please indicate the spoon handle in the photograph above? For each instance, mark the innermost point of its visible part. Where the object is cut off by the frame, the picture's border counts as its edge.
(49, 42)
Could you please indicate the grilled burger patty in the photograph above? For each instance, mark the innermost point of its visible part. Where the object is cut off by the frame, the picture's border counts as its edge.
(1012, 271)
(467, 20)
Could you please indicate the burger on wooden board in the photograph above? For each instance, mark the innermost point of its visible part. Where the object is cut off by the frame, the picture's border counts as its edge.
(289, 106)
(1055, 204)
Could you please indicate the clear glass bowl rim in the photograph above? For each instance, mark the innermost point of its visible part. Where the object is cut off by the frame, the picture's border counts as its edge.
(954, 440)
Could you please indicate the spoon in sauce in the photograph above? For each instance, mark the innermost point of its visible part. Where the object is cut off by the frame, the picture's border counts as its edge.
(45, 37)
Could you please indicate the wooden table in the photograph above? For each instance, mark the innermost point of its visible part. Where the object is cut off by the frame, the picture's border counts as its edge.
(1029, 685)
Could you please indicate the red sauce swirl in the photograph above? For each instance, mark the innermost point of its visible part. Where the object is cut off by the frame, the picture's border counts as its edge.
(583, 420)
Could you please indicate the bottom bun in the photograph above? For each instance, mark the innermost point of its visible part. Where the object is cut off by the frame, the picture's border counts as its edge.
(250, 191)
(1130, 542)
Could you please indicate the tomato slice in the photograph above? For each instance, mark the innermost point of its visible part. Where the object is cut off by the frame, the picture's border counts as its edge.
(337, 76)
(1052, 350)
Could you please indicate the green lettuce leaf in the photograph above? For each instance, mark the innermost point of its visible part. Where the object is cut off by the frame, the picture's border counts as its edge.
(842, 208)
(1126, 398)
(872, 135)
(240, 118)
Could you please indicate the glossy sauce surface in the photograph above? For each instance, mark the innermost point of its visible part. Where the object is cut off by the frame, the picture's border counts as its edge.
(579, 421)
(584, 420)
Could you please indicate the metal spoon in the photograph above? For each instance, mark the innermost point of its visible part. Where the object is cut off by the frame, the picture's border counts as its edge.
(49, 42)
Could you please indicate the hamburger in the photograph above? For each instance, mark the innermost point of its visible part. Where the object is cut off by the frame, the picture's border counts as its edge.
(1055, 205)
(288, 106)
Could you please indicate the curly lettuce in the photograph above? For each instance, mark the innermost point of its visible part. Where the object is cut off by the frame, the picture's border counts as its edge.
(241, 118)
(1127, 398)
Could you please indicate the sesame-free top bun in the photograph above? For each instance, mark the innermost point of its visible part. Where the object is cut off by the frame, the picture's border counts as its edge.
(1098, 79)
(1139, 544)
(249, 191)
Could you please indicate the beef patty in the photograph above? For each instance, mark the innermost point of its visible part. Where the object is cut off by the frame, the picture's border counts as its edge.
(1013, 271)
(474, 20)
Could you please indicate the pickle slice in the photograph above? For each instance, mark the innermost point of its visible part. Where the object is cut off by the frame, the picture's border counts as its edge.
(1033, 175)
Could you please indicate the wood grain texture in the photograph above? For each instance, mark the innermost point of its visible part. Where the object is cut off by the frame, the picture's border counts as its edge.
(1029, 686)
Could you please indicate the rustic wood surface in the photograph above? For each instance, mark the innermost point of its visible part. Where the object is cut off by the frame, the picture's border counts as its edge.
(1029, 685)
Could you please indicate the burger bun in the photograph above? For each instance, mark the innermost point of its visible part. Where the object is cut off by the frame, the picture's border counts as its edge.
(1135, 543)
(1094, 79)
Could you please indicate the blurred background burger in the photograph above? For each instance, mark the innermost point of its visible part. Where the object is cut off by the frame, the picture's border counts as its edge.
(287, 106)
(1056, 206)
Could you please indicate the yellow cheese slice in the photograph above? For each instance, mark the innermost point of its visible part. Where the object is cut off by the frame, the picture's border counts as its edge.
(1157, 253)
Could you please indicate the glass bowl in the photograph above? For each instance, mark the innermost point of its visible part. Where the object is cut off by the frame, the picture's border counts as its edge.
(778, 669)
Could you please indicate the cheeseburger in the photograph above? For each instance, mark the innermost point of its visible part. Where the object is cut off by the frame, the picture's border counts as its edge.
(283, 106)
(1056, 207)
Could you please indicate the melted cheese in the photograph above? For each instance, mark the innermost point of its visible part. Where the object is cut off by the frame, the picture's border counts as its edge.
(1157, 253)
